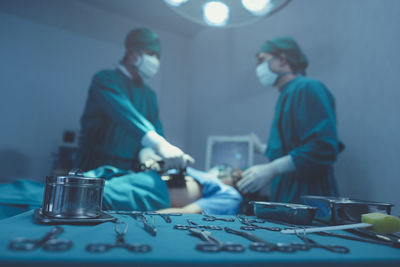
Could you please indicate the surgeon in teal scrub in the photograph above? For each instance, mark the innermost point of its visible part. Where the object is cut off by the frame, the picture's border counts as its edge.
(121, 122)
(303, 143)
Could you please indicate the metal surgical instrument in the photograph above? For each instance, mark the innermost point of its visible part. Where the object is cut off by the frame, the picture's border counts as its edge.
(138, 215)
(165, 216)
(250, 226)
(212, 244)
(259, 244)
(210, 218)
(48, 242)
(192, 224)
(119, 242)
(309, 243)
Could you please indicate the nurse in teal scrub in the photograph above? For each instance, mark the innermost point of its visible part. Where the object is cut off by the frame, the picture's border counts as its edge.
(120, 125)
(303, 143)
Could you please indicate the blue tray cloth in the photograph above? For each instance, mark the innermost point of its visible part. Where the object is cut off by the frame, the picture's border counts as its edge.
(177, 248)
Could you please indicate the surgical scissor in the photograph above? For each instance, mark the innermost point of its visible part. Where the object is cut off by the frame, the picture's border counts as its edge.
(192, 224)
(138, 215)
(212, 244)
(119, 242)
(49, 242)
(165, 216)
(308, 243)
(260, 245)
(250, 226)
(211, 218)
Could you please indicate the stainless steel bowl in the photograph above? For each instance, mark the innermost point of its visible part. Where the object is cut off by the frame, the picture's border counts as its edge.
(284, 212)
(72, 196)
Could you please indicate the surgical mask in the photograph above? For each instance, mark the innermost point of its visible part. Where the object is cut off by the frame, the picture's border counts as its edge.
(148, 65)
(265, 75)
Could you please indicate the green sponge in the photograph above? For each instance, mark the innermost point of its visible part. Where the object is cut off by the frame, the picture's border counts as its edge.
(382, 223)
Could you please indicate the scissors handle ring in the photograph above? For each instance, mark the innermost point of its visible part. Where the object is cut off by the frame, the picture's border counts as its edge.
(214, 247)
(208, 247)
(57, 245)
(261, 247)
(233, 247)
(140, 248)
(98, 247)
(22, 244)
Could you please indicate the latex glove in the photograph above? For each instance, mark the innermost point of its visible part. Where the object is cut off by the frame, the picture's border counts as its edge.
(259, 147)
(173, 157)
(148, 154)
(258, 177)
(148, 157)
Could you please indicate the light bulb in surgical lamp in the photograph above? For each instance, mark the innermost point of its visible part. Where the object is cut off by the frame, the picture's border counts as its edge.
(175, 2)
(215, 13)
(258, 7)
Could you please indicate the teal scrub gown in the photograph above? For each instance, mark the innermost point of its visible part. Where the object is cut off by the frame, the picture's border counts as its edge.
(118, 113)
(304, 127)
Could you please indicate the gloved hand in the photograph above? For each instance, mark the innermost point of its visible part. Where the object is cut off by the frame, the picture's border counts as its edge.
(149, 159)
(256, 178)
(173, 157)
(259, 147)
(148, 154)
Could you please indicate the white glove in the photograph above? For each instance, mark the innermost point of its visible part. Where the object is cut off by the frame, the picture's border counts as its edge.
(259, 147)
(147, 154)
(260, 176)
(173, 157)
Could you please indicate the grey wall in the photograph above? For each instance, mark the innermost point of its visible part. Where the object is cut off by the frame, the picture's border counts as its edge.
(45, 73)
(207, 84)
(353, 47)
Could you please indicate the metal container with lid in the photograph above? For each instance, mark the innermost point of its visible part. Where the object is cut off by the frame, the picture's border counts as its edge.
(339, 210)
(73, 196)
(284, 212)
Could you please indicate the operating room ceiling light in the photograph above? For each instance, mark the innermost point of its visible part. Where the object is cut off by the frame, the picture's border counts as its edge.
(226, 13)
(176, 2)
(258, 7)
(215, 13)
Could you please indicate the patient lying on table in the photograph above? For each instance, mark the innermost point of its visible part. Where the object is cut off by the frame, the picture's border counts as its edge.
(200, 191)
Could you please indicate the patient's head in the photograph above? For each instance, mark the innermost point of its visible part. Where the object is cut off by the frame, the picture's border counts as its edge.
(227, 174)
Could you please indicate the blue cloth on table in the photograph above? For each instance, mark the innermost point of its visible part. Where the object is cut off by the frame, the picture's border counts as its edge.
(218, 198)
(127, 190)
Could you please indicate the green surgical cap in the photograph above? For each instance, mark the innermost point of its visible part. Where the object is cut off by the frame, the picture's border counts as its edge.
(143, 39)
(287, 46)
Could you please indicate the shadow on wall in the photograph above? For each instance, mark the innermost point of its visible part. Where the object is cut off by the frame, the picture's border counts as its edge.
(13, 164)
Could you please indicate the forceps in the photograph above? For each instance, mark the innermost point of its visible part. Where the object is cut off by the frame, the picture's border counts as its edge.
(210, 218)
(250, 226)
(309, 243)
(151, 229)
(119, 242)
(192, 224)
(48, 242)
(214, 245)
(259, 244)
(165, 216)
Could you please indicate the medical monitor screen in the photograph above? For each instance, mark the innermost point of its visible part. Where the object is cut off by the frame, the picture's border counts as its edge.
(233, 153)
